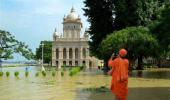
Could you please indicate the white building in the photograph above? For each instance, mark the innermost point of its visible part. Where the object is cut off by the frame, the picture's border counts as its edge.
(69, 49)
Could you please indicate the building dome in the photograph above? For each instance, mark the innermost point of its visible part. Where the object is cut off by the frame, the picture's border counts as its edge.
(56, 33)
(72, 15)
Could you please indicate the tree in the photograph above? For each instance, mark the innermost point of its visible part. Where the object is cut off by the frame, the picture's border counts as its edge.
(134, 12)
(47, 51)
(137, 40)
(161, 29)
(100, 16)
(9, 45)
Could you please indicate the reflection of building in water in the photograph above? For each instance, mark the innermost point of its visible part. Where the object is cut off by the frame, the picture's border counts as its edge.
(69, 49)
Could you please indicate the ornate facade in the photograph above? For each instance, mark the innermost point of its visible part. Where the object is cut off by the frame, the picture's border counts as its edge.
(69, 49)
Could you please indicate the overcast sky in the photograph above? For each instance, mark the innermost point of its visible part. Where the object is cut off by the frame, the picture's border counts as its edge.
(32, 21)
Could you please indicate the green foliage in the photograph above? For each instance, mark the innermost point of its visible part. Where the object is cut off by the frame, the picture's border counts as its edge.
(37, 74)
(43, 73)
(100, 16)
(9, 45)
(1, 73)
(73, 71)
(62, 72)
(7, 74)
(53, 73)
(16, 73)
(98, 89)
(134, 12)
(47, 49)
(137, 40)
(26, 73)
(160, 29)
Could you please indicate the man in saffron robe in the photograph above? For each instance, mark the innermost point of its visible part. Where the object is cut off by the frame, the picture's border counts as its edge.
(119, 73)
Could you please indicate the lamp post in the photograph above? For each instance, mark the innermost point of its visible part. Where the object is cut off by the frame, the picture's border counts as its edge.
(42, 67)
(0, 56)
(1, 64)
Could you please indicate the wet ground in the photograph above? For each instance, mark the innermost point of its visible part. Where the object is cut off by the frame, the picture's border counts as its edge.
(143, 85)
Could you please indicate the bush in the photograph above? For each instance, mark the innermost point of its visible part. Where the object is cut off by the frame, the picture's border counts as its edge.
(62, 73)
(43, 73)
(1, 74)
(26, 74)
(16, 73)
(74, 71)
(53, 73)
(37, 74)
(7, 74)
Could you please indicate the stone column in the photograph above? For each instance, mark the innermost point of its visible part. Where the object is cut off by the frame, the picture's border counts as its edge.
(60, 53)
(87, 63)
(67, 53)
(59, 64)
(81, 52)
(53, 56)
(73, 52)
(87, 53)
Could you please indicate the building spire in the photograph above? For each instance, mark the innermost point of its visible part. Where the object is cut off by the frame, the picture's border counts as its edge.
(55, 30)
(72, 9)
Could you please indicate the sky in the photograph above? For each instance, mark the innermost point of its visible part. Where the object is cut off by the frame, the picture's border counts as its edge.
(32, 21)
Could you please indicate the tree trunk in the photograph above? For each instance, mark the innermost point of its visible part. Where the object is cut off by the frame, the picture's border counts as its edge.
(159, 63)
(140, 63)
(105, 68)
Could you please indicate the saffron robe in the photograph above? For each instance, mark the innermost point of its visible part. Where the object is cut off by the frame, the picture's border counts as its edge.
(119, 73)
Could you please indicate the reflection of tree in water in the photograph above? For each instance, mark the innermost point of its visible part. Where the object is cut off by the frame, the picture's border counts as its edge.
(140, 74)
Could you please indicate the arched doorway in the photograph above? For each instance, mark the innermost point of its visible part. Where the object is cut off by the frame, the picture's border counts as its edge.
(64, 63)
(76, 63)
(70, 63)
(84, 53)
(70, 53)
(56, 63)
(90, 64)
(76, 53)
(84, 63)
(57, 53)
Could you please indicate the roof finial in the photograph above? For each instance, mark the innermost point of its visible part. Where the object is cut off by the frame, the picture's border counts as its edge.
(55, 30)
(72, 9)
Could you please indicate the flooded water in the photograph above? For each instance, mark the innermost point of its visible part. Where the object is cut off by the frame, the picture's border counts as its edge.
(145, 86)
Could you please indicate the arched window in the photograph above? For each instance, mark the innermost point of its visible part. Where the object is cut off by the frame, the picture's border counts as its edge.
(57, 54)
(70, 53)
(84, 53)
(56, 63)
(70, 63)
(84, 63)
(90, 64)
(76, 63)
(76, 53)
(64, 53)
(64, 63)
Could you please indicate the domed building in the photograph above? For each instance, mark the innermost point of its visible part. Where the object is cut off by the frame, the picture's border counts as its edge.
(69, 49)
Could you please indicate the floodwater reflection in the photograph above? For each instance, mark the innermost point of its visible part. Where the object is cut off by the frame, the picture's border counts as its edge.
(158, 74)
(72, 88)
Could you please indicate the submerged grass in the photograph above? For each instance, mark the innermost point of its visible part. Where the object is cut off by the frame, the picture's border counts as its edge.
(62, 72)
(73, 71)
(26, 74)
(7, 74)
(1, 74)
(16, 73)
(36, 74)
(97, 89)
(43, 73)
(53, 73)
